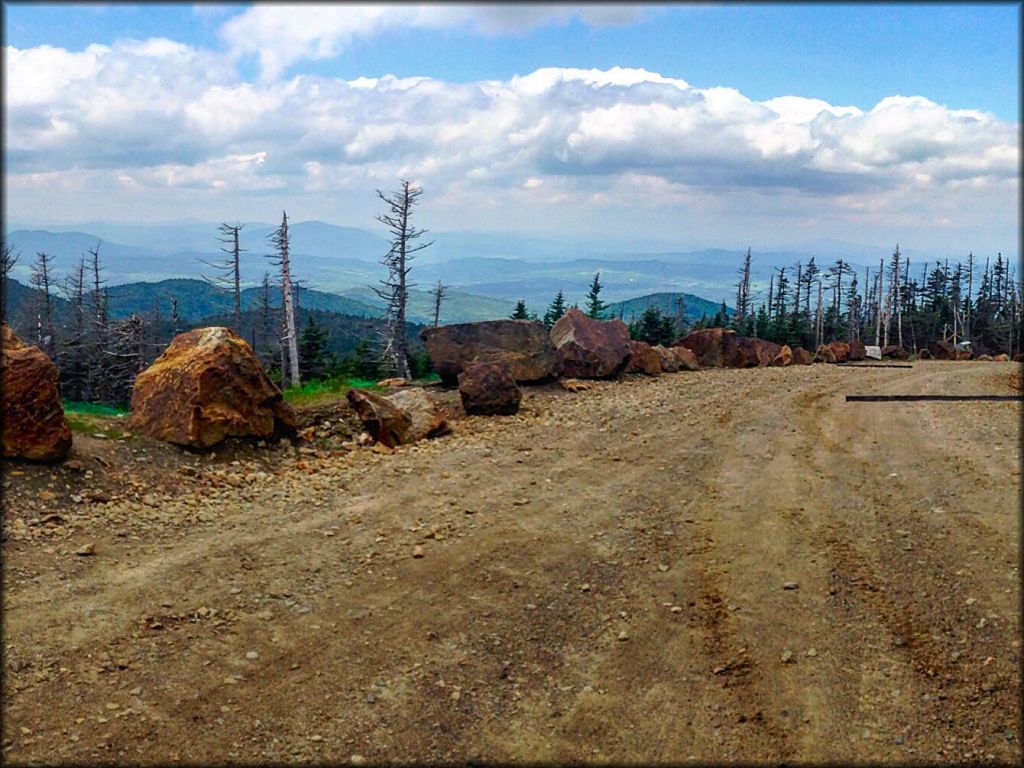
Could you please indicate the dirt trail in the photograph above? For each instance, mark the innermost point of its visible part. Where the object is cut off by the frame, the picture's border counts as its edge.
(604, 579)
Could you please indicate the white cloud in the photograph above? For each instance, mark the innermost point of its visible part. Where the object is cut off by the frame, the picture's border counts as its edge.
(153, 116)
(281, 35)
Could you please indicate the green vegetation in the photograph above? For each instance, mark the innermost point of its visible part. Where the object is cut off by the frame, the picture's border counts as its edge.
(314, 390)
(95, 419)
(92, 409)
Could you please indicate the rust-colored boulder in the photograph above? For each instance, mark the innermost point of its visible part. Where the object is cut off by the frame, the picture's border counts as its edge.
(784, 356)
(489, 389)
(1019, 357)
(1002, 357)
(894, 352)
(758, 352)
(33, 416)
(669, 359)
(857, 350)
(644, 359)
(207, 386)
(946, 350)
(523, 344)
(713, 347)
(399, 419)
(984, 358)
(802, 356)
(393, 383)
(687, 359)
(588, 348)
(840, 350)
(924, 354)
(824, 354)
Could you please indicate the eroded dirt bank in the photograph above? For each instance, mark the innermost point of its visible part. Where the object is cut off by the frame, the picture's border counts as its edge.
(730, 565)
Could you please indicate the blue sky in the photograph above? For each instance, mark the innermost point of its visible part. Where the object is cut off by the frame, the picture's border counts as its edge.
(957, 55)
(766, 123)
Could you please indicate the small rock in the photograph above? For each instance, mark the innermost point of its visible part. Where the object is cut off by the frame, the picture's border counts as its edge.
(791, 585)
(623, 636)
(417, 551)
(812, 652)
(252, 655)
(357, 760)
(86, 550)
(662, 567)
(787, 656)
(676, 609)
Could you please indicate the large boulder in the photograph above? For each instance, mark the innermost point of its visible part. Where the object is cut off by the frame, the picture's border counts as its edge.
(644, 359)
(713, 347)
(33, 416)
(984, 358)
(784, 356)
(924, 354)
(894, 352)
(489, 389)
(669, 359)
(588, 348)
(857, 350)
(523, 344)
(802, 356)
(840, 350)
(758, 352)
(1002, 357)
(945, 350)
(824, 354)
(399, 419)
(687, 359)
(207, 386)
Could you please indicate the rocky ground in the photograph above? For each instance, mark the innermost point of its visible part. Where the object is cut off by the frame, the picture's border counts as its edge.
(729, 565)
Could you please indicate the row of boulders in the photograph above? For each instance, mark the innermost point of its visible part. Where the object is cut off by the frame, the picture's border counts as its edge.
(208, 385)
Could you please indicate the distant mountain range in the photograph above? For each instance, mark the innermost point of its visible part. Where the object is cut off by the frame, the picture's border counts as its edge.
(483, 269)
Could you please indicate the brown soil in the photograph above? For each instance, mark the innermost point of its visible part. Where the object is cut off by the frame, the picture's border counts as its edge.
(603, 578)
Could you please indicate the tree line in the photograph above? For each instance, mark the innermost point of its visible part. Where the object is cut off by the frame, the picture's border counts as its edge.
(896, 303)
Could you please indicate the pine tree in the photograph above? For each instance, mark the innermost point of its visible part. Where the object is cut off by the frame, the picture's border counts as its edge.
(555, 310)
(314, 358)
(595, 307)
(520, 312)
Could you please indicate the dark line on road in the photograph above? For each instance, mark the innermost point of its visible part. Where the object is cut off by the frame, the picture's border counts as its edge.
(874, 365)
(943, 398)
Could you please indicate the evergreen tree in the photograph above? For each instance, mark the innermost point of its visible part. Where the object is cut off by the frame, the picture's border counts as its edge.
(652, 327)
(556, 310)
(314, 358)
(595, 307)
(520, 312)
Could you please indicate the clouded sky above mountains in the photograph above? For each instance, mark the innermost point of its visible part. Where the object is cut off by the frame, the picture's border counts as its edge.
(730, 126)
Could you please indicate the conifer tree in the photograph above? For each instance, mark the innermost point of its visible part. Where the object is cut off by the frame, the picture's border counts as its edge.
(595, 307)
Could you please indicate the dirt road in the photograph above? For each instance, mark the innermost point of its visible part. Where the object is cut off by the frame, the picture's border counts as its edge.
(730, 565)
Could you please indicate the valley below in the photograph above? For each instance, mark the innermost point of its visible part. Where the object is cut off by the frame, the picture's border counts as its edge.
(717, 566)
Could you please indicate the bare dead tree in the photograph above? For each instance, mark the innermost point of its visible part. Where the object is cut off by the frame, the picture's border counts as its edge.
(290, 340)
(438, 292)
(230, 269)
(394, 289)
(40, 279)
(743, 290)
(174, 316)
(8, 258)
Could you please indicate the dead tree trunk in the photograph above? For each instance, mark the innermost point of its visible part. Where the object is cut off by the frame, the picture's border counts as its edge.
(279, 238)
(438, 292)
(395, 288)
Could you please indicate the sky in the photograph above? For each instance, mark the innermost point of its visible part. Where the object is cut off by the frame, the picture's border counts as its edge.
(727, 125)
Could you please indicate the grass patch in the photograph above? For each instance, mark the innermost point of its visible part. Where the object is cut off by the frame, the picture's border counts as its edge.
(313, 390)
(95, 419)
(93, 409)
